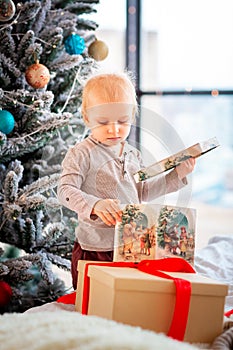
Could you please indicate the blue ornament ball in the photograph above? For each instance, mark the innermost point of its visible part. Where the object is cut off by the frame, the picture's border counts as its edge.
(7, 122)
(74, 44)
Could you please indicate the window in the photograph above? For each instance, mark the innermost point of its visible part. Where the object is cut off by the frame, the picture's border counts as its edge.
(186, 88)
(185, 82)
(186, 44)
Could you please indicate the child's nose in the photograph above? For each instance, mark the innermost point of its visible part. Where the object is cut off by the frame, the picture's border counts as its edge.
(113, 128)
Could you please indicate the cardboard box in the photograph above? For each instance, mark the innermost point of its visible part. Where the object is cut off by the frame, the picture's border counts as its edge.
(80, 267)
(133, 297)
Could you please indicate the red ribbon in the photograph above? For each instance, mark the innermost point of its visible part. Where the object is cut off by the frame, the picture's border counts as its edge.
(155, 267)
(229, 313)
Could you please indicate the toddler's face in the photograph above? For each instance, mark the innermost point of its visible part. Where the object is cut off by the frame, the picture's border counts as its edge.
(110, 123)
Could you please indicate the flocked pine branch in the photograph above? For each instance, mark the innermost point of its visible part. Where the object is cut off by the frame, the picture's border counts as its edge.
(27, 14)
(8, 43)
(66, 62)
(41, 17)
(17, 147)
(22, 211)
(59, 261)
(41, 185)
(20, 272)
(45, 268)
(80, 8)
(9, 66)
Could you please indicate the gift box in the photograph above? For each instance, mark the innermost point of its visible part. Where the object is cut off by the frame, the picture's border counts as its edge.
(79, 294)
(133, 297)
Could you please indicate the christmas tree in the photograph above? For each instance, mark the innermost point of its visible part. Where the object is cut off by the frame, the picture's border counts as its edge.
(43, 61)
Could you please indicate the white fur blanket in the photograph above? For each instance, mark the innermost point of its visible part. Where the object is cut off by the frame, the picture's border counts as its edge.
(65, 330)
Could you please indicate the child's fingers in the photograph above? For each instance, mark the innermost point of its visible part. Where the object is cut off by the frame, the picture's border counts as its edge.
(107, 218)
(108, 211)
(115, 210)
(190, 163)
(112, 211)
(186, 167)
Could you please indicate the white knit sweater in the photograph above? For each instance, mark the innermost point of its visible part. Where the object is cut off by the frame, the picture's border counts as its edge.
(91, 171)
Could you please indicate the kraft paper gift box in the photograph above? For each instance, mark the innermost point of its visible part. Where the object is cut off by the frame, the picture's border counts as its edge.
(133, 297)
(80, 268)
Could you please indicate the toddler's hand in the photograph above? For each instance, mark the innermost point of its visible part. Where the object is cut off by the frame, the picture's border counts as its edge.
(185, 168)
(108, 210)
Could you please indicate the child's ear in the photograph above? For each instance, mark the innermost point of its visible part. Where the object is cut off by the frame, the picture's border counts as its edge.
(85, 118)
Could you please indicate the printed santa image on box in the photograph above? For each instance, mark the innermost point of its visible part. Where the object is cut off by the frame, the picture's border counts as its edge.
(155, 231)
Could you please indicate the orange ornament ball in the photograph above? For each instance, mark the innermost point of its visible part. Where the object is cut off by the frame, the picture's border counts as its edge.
(37, 75)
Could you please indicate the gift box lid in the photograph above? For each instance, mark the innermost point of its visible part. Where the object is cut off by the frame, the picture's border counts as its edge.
(82, 263)
(132, 279)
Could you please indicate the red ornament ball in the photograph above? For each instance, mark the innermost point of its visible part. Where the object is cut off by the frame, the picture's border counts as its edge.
(37, 75)
(5, 293)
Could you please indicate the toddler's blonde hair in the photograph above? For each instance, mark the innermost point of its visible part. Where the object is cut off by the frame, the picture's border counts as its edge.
(111, 87)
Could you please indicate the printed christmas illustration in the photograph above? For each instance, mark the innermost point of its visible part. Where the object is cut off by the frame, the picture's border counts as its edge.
(155, 231)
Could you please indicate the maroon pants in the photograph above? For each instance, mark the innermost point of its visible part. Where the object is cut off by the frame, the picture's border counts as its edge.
(80, 254)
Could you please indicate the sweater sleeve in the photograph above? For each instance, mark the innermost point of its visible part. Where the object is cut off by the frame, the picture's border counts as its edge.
(74, 168)
(162, 185)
